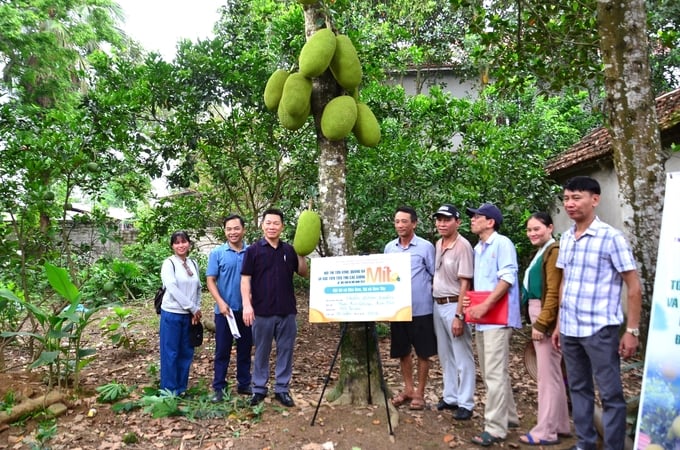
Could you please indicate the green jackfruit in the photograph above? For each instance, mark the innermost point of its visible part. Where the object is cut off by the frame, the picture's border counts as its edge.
(317, 53)
(307, 2)
(292, 122)
(274, 89)
(307, 233)
(345, 64)
(297, 95)
(366, 129)
(338, 118)
(48, 196)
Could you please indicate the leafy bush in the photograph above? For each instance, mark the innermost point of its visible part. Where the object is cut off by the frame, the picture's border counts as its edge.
(119, 328)
(8, 401)
(113, 392)
(58, 333)
(134, 276)
(439, 149)
(113, 279)
(11, 313)
(194, 404)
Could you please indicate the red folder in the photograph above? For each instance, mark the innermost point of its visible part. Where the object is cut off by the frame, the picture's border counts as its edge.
(497, 315)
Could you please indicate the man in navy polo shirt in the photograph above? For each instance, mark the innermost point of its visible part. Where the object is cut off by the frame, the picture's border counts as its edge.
(269, 305)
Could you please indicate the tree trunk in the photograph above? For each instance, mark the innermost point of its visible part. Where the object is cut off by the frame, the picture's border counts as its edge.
(31, 406)
(358, 349)
(633, 126)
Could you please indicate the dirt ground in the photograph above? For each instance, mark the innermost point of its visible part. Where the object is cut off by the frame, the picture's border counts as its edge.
(335, 427)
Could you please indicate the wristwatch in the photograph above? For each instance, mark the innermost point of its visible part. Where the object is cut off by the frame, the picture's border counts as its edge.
(634, 331)
(460, 316)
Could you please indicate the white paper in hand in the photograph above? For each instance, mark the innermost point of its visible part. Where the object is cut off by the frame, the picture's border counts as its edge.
(232, 326)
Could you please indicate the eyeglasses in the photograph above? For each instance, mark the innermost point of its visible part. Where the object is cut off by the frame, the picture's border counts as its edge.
(186, 267)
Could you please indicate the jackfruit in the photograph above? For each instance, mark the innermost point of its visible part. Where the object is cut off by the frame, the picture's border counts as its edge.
(366, 129)
(291, 122)
(338, 117)
(296, 96)
(274, 89)
(307, 232)
(317, 53)
(345, 64)
(48, 196)
(307, 2)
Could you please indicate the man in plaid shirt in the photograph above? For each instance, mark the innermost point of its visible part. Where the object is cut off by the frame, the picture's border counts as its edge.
(596, 260)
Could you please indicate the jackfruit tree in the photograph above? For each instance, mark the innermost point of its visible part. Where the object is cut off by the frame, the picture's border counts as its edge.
(330, 61)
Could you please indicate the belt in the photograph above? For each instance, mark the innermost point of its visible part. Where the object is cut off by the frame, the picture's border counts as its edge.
(445, 300)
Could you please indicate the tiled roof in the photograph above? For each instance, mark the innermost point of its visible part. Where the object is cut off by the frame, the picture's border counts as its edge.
(598, 143)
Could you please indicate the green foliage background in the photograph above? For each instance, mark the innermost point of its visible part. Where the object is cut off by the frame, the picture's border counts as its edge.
(86, 114)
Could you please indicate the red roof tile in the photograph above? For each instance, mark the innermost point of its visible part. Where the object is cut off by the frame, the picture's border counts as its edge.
(597, 143)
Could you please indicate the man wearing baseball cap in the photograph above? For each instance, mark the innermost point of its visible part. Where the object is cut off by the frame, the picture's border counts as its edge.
(452, 278)
(495, 271)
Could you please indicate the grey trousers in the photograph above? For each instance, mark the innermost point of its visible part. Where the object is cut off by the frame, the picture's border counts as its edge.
(597, 357)
(266, 329)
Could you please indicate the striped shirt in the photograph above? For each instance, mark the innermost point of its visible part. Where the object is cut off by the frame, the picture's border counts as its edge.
(591, 283)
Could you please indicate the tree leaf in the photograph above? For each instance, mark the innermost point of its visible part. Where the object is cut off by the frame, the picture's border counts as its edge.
(61, 282)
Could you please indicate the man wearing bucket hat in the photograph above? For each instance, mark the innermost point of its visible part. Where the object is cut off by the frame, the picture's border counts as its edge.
(495, 271)
(452, 278)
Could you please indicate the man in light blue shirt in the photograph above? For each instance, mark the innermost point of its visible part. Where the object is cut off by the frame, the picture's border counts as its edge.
(495, 271)
(223, 278)
(419, 333)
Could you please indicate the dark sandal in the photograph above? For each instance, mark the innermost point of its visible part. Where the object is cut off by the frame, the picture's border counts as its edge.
(486, 439)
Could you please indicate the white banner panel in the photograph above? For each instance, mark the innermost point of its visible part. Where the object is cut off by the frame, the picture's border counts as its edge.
(658, 424)
(361, 288)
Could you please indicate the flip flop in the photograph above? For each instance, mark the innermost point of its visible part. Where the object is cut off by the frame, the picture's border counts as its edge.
(486, 439)
(417, 404)
(528, 439)
(400, 399)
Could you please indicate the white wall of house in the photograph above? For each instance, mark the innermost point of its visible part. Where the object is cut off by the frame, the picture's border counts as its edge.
(451, 83)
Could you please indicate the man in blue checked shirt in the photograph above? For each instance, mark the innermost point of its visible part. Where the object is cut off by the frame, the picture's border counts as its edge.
(596, 260)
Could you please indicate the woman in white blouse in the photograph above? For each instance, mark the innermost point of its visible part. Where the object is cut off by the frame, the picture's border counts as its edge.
(181, 308)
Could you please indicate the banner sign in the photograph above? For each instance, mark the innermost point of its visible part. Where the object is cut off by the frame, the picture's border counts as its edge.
(365, 288)
(658, 424)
